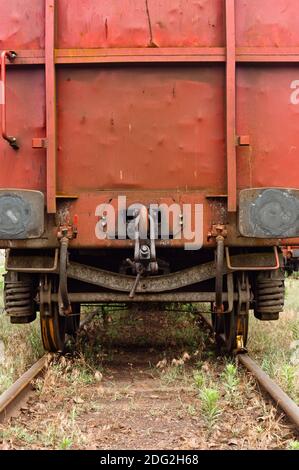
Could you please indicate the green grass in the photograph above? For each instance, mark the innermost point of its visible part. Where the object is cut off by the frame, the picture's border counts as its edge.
(230, 379)
(294, 445)
(20, 344)
(210, 405)
(19, 433)
(272, 343)
(199, 379)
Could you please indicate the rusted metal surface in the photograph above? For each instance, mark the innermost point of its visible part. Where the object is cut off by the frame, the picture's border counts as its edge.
(231, 153)
(269, 213)
(32, 263)
(219, 307)
(10, 55)
(259, 267)
(146, 127)
(140, 23)
(173, 23)
(39, 143)
(159, 55)
(281, 399)
(111, 297)
(18, 299)
(50, 77)
(269, 295)
(170, 282)
(66, 307)
(291, 259)
(21, 214)
(16, 395)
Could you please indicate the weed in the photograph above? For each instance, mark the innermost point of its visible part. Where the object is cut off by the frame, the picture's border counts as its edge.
(230, 379)
(64, 434)
(22, 346)
(288, 376)
(199, 379)
(49, 437)
(66, 444)
(294, 445)
(117, 396)
(191, 410)
(80, 374)
(210, 405)
(172, 374)
(19, 433)
(270, 343)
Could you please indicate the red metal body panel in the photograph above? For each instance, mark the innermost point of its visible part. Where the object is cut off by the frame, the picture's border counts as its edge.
(25, 168)
(265, 112)
(140, 23)
(156, 128)
(131, 112)
(267, 23)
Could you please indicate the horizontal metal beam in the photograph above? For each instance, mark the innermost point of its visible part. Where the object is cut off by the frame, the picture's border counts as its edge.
(170, 282)
(103, 297)
(159, 55)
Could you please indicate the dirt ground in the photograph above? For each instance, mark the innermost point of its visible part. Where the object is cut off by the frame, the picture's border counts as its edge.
(147, 381)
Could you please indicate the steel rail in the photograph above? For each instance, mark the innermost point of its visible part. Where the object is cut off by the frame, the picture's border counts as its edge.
(281, 399)
(11, 399)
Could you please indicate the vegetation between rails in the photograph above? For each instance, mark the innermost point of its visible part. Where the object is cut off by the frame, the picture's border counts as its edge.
(208, 391)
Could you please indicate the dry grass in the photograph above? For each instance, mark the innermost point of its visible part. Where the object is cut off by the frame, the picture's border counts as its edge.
(275, 345)
(152, 380)
(20, 346)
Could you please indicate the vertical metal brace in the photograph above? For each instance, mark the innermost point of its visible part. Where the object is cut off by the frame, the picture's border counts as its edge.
(50, 73)
(231, 152)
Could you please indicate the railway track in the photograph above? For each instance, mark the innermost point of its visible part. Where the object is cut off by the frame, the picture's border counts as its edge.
(12, 400)
(280, 398)
(17, 395)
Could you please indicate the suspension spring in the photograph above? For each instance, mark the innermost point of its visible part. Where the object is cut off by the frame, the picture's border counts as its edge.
(270, 293)
(18, 301)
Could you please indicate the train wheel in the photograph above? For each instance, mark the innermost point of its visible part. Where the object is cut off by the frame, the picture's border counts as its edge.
(53, 325)
(231, 331)
(242, 329)
(53, 329)
(224, 328)
(73, 322)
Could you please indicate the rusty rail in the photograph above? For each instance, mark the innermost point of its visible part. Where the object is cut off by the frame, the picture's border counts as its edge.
(276, 393)
(281, 399)
(16, 395)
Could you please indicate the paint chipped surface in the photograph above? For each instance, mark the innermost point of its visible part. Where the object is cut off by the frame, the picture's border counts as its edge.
(157, 138)
(151, 127)
(140, 23)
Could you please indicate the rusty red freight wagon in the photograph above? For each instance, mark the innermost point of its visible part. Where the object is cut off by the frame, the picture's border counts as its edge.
(149, 153)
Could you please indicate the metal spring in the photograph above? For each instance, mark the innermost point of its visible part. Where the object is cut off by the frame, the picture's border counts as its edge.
(18, 298)
(270, 296)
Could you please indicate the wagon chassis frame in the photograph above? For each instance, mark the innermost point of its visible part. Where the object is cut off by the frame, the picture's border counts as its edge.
(166, 288)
